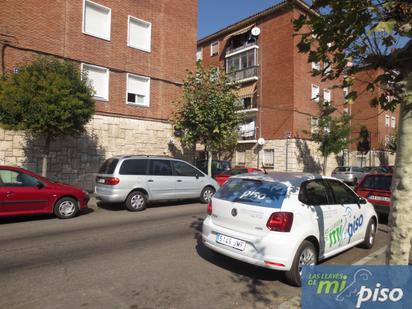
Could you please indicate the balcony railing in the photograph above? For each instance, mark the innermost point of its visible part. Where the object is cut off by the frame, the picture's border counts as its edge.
(231, 50)
(243, 74)
(246, 106)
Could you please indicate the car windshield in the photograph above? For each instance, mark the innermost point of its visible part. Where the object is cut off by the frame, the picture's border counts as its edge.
(377, 182)
(236, 171)
(342, 169)
(253, 192)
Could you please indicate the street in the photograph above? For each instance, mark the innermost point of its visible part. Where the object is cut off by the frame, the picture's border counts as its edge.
(112, 258)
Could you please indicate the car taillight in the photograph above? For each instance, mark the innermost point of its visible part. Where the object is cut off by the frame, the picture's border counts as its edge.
(111, 181)
(280, 221)
(209, 208)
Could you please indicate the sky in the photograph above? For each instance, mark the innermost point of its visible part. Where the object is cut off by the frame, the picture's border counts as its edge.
(217, 14)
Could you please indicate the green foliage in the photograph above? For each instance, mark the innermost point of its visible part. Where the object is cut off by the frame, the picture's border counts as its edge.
(366, 32)
(207, 113)
(333, 130)
(46, 97)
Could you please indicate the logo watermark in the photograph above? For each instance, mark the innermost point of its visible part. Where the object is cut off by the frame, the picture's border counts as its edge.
(357, 287)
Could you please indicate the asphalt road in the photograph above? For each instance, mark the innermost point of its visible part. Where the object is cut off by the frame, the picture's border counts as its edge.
(111, 258)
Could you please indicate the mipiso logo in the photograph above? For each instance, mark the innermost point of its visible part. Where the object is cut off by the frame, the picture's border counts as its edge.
(338, 284)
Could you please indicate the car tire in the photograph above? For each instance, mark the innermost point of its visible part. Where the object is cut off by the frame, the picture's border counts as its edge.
(136, 201)
(369, 235)
(305, 255)
(66, 208)
(207, 194)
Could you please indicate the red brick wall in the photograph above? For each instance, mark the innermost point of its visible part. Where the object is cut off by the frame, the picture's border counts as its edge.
(55, 27)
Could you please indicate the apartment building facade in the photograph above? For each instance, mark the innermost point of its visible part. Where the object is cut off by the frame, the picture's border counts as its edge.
(135, 54)
(278, 94)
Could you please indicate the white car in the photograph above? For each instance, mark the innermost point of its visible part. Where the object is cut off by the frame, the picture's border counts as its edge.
(284, 221)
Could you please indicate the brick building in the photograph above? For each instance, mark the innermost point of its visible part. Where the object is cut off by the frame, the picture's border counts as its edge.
(136, 54)
(278, 94)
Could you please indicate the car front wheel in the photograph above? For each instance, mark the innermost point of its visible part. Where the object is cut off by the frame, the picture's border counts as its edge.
(306, 255)
(207, 194)
(66, 208)
(369, 235)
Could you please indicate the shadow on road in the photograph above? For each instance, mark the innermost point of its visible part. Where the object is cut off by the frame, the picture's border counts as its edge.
(121, 206)
(39, 217)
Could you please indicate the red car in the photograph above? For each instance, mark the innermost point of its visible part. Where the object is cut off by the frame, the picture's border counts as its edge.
(25, 193)
(376, 188)
(224, 176)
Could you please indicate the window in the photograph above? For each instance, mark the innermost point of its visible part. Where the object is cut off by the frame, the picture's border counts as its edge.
(316, 66)
(108, 166)
(387, 121)
(328, 67)
(345, 93)
(247, 129)
(184, 169)
(393, 123)
(241, 61)
(98, 79)
(138, 90)
(199, 54)
(214, 48)
(9, 178)
(313, 193)
(315, 93)
(327, 96)
(160, 168)
(134, 167)
(240, 158)
(387, 140)
(314, 125)
(139, 34)
(342, 194)
(269, 157)
(97, 20)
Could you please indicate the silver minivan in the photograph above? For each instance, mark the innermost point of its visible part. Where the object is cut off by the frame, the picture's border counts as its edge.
(137, 180)
(348, 174)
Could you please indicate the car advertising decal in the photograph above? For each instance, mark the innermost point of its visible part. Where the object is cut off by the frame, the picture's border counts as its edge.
(253, 192)
(343, 230)
(356, 287)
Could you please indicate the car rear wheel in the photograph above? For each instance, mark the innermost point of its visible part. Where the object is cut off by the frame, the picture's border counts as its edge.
(369, 235)
(136, 201)
(207, 194)
(306, 255)
(66, 208)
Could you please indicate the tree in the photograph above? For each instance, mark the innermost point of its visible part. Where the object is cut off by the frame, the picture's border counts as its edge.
(207, 114)
(332, 132)
(47, 98)
(374, 33)
(364, 144)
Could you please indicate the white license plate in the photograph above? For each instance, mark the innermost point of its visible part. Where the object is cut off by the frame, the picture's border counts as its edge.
(100, 180)
(379, 198)
(231, 242)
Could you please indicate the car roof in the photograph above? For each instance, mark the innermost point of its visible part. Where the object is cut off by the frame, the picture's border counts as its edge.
(290, 179)
(143, 157)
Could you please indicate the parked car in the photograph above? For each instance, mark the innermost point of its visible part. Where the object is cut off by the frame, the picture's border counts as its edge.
(137, 180)
(376, 188)
(218, 166)
(348, 174)
(224, 176)
(25, 193)
(284, 221)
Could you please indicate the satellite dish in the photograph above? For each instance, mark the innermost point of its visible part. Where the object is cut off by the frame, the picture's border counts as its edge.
(261, 141)
(255, 31)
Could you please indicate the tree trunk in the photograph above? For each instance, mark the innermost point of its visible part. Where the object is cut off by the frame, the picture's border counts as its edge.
(324, 165)
(209, 163)
(45, 156)
(400, 217)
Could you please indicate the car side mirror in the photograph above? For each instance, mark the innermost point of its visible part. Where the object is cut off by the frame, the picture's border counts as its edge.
(362, 201)
(40, 185)
(197, 176)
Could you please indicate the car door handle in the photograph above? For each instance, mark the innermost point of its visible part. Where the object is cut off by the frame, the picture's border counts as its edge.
(150, 180)
(179, 180)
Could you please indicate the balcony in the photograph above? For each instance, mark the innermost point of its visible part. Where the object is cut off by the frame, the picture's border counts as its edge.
(246, 105)
(244, 75)
(247, 132)
(230, 50)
